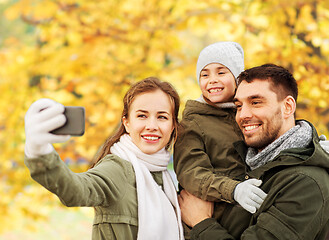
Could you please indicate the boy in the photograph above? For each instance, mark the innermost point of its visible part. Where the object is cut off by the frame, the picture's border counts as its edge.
(204, 157)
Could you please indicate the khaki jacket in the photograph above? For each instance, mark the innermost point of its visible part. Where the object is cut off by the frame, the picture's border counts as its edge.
(297, 204)
(205, 160)
(109, 187)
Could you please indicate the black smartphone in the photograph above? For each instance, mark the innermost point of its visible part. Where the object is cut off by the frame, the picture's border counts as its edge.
(75, 122)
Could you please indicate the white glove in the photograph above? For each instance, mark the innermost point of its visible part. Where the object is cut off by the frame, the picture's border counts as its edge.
(324, 143)
(43, 116)
(249, 195)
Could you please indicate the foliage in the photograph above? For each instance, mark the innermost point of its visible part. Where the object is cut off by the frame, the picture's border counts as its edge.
(87, 53)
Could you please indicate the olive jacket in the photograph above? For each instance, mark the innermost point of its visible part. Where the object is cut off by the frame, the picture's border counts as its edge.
(205, 160)
(297, 204)
(109, 187)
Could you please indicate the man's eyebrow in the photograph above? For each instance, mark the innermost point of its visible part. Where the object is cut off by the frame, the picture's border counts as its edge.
(257, 96)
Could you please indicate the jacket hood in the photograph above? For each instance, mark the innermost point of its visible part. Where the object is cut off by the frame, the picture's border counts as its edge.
(195, 107)
(312, 155)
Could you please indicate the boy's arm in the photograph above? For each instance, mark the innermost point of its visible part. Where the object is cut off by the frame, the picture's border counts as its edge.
(287, 215)
(194, 170)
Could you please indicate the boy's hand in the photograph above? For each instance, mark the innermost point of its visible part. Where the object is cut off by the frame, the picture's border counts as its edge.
(43, 116)
(193, 209)
(324, 143)
(249, 195)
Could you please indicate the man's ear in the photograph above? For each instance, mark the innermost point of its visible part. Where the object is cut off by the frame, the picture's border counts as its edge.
(289, 107)
(125, 123)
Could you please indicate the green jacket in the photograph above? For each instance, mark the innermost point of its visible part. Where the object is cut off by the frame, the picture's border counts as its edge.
(297, 204)
(205, 160)
(109, 187)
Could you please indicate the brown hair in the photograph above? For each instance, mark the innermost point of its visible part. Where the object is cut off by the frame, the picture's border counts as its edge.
(149, 84)
(282, 81)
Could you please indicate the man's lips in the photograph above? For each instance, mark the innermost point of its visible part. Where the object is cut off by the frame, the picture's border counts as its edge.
(250, 128)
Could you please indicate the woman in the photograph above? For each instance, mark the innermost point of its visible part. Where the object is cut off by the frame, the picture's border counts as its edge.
(129, 185)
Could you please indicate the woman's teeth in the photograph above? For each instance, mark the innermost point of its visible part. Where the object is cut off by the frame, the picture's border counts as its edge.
(151, 138)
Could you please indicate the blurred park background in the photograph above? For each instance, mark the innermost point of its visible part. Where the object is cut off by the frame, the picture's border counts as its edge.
(87, 53)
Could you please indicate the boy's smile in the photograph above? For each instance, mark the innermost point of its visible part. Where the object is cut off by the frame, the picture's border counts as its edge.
(217, 83)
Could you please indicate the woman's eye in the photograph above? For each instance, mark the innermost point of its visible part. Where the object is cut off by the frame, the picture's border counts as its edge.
(141, 116)
(163, 117)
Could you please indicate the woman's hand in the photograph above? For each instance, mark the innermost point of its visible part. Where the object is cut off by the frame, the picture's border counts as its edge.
(193, 209)
(43, 116)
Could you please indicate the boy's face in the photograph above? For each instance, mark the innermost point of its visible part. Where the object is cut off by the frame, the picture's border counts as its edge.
(217, 83)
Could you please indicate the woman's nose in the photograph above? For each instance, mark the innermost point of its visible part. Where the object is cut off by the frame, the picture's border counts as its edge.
(151, 124)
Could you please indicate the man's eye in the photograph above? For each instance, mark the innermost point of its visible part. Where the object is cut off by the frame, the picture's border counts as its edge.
(256, 102)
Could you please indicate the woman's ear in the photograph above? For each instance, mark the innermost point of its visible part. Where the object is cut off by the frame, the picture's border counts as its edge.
(125, 123)
(289, 106)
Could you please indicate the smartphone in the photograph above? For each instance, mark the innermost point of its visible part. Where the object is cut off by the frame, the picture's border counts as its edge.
(75, 122)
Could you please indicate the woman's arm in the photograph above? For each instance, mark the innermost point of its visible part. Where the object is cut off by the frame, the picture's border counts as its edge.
(101, 185)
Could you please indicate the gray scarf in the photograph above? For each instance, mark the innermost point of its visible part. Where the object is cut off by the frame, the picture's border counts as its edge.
(298, 136)
(220, 105)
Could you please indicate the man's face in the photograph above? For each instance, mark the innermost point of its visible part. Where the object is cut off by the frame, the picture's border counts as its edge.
(259, 113)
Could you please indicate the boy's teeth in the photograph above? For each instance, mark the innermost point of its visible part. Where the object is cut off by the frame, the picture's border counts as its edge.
(214, 90)
(248, 128)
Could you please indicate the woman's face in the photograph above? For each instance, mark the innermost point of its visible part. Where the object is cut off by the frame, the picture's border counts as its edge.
(150, 121)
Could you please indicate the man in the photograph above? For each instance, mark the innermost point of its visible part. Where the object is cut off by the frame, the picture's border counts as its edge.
(285, 154)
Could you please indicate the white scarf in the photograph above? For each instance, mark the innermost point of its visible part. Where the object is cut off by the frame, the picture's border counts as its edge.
(158, 211)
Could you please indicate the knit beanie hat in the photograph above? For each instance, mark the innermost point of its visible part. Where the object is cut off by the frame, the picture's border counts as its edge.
(229, 54)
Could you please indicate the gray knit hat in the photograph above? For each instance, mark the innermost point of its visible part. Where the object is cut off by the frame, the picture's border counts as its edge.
(229, 54)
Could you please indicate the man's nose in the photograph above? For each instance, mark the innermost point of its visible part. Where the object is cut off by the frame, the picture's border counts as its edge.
(244, 113)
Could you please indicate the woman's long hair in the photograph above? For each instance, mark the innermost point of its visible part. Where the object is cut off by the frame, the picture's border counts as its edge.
(149, 84)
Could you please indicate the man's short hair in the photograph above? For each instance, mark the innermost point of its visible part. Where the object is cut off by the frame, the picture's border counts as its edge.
(281, 80)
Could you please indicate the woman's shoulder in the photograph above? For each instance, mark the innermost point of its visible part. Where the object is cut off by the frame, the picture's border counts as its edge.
(112, 158)
(114, 163)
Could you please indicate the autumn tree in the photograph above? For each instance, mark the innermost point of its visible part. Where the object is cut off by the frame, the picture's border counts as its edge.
(88, 53)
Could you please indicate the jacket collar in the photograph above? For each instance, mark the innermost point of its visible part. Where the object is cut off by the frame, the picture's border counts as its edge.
(313, 155)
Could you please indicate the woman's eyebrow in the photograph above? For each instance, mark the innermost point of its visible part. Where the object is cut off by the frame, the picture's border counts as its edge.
(163, 112)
